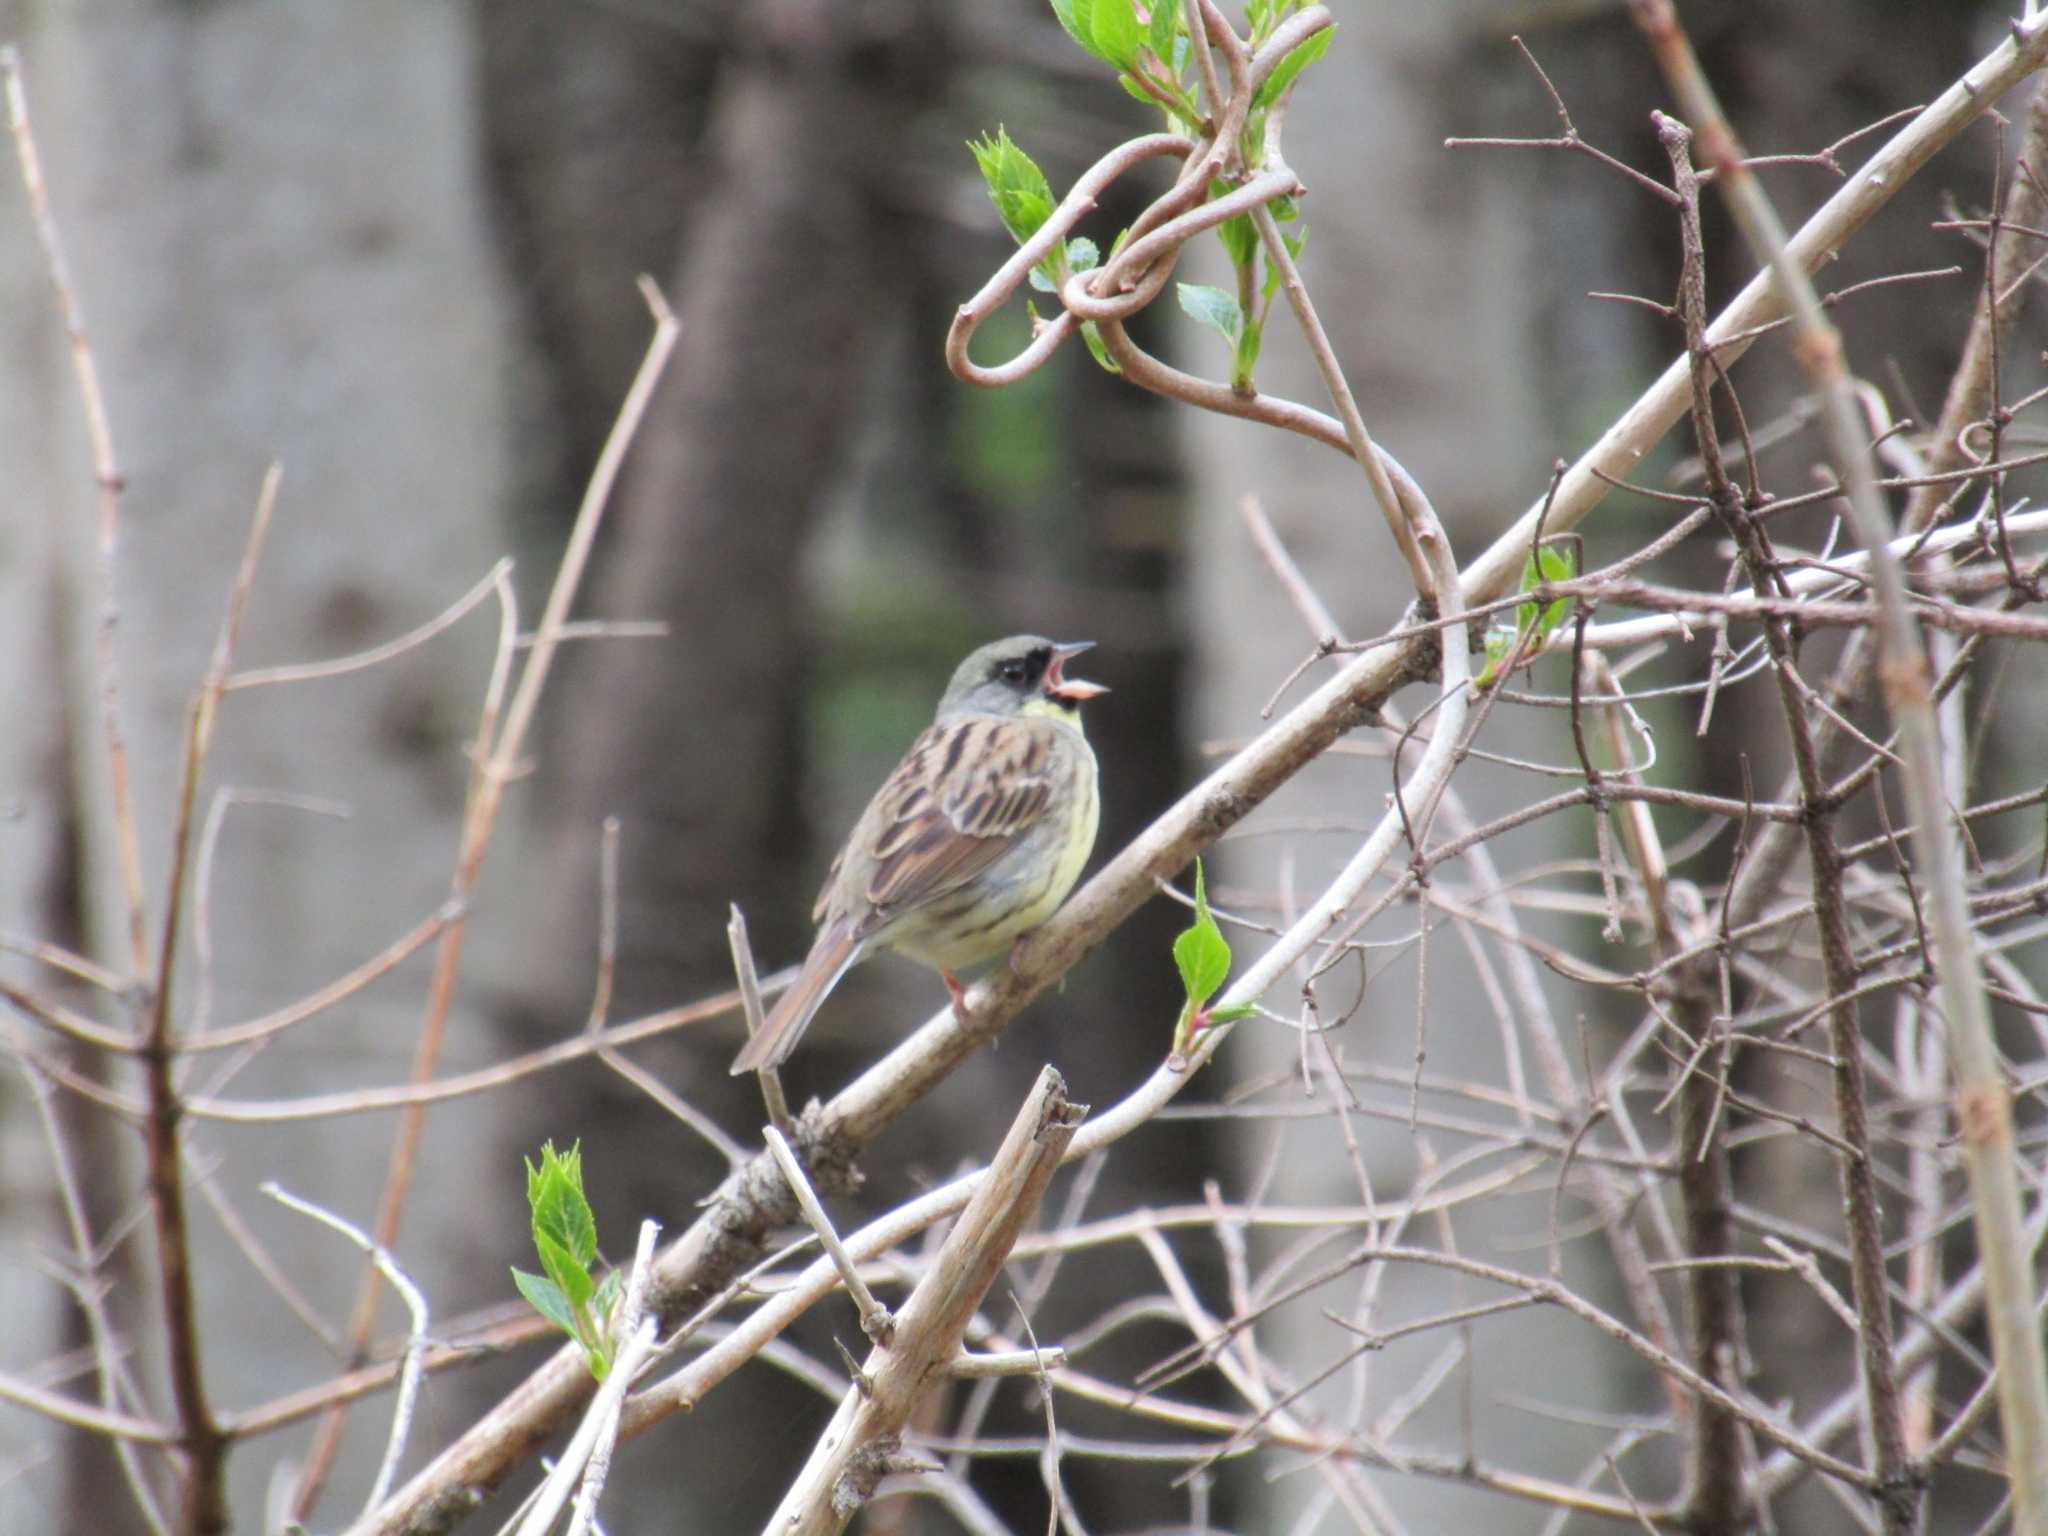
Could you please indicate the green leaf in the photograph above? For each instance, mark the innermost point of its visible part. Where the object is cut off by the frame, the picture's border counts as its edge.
(1500, 640)
(1097, 350)
(1213, 308)
(1163, 29)
(1201, 952)
(1246, 360)
(564, 1230)
(1016, 185)
(546, 1298)
(565, 1237)
(1118, 33)
(560, 1212)
(1298, 58)
(1202, 955)
(1240, 240)
(1294, 241)
(1557, 563)
(562, 1268)
(1108, 29)
(1082, 256)
(1550, 563)
(1073, 15)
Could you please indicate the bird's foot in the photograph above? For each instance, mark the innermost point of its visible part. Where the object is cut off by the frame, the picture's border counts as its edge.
(959, 994)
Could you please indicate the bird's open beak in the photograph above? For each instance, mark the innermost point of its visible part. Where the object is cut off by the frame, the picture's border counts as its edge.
(1070, 690)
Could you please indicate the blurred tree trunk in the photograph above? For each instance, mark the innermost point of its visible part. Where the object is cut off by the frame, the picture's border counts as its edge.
(772, 188)
(592, 121)
(690, 739)
(825, 520)
(279, 254)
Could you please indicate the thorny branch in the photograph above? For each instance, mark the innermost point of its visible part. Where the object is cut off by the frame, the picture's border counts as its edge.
(1845, 1030)
(1983, 1104)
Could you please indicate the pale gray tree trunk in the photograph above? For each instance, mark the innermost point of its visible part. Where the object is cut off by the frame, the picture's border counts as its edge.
(274, 232)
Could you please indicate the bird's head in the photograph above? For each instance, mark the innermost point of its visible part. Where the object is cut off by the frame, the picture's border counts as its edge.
(1023, 675)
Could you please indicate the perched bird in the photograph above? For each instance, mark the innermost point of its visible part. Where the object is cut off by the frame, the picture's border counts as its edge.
(973, 841)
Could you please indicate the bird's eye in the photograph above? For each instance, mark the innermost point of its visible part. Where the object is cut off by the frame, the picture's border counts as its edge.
(1011, 671)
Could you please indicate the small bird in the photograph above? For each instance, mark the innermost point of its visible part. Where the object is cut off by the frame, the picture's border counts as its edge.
(973, 841)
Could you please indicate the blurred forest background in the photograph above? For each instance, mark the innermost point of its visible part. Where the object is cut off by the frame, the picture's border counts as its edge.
(391, 244)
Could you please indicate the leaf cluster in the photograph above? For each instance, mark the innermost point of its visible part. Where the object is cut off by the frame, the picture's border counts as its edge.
(1507, 644)
(1202, 955)
(1148, 45)
(565, 1237)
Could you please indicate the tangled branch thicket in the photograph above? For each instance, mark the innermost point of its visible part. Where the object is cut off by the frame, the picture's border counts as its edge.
(1859, 989)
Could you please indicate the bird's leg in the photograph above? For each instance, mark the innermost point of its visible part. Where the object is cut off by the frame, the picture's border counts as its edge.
(959, 996)
(1017, 953)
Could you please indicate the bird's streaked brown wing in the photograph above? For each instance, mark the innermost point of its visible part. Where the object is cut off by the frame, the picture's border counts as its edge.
(963, 794)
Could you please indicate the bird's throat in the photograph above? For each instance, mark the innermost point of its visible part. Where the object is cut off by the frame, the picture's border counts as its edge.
(1052, 709)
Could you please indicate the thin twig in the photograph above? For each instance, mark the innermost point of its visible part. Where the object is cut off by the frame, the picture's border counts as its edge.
(770, 1077)
(203, 1495)
(415, 1338)
(376, 655)
(91, 1295)
(970, 1366)
(1404, 529)
(110, 481)
(1858, 1180)
(875, 1320)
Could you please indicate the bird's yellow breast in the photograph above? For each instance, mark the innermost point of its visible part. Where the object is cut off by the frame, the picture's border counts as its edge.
(1080, 842)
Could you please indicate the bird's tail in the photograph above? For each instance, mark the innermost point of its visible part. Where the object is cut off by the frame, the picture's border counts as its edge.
(836, 949)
